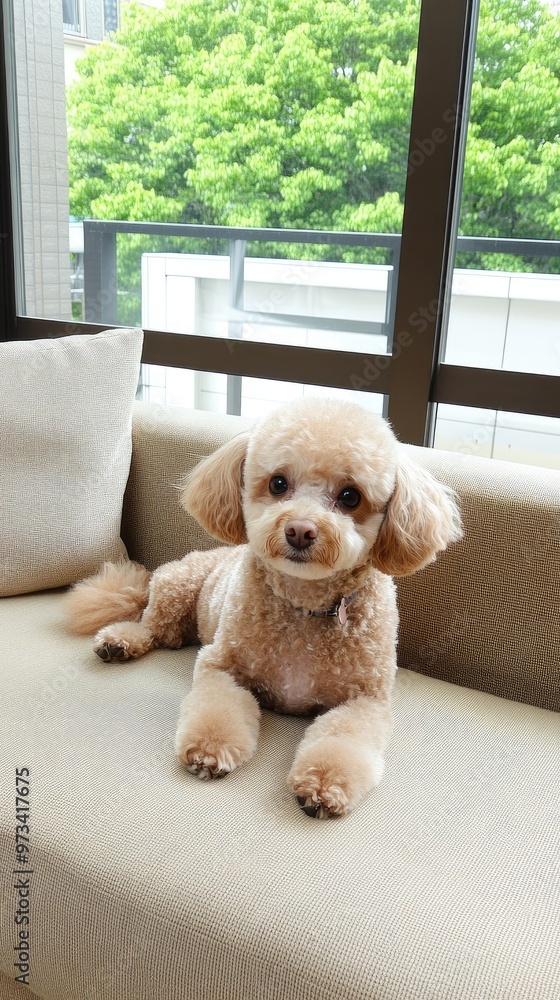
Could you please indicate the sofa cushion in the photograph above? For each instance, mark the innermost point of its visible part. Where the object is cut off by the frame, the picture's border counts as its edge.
(150, 885)
(65, 444)
(483, 615)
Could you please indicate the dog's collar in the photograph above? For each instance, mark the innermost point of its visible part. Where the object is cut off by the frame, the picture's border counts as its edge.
(338, 610)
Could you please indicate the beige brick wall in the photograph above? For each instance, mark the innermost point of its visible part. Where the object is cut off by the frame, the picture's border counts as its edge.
(43, 165)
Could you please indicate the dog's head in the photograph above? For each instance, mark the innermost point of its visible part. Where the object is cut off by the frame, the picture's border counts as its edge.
(321, 486)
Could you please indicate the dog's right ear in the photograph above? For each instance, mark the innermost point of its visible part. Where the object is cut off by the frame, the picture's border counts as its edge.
(213, 492)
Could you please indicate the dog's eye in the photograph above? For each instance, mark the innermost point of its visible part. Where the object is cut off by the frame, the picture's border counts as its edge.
(278, 485)
(349, 498)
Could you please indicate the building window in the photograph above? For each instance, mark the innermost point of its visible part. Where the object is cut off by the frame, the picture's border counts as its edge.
(110, 15)
(73, 16)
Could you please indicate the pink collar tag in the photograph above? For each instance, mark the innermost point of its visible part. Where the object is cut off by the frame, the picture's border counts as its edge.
(343, 611)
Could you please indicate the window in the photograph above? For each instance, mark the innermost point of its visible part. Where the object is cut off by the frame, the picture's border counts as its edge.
(281, 192)
(110, 15)
(505, 304)
(73, 16)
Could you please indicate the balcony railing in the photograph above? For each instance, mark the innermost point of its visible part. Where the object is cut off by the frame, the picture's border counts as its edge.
(100, 267)
(100, 264)
(101, 293)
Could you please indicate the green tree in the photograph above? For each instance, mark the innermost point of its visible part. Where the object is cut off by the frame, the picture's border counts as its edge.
(511, 184)
(296, 114)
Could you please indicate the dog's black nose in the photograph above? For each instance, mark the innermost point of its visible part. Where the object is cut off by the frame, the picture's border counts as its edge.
(300, 534)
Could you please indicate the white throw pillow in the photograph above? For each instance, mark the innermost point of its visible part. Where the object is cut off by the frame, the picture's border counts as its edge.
(65, 447)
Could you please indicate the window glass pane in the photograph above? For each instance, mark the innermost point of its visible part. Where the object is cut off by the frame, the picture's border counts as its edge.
(111, 15)
(309, 302)
(209, 391)
(505, 304)
(509, 320)
(513, 437)
(286, 116)
(72, 16)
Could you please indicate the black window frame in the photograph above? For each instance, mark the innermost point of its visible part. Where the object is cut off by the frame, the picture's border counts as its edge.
(413, 377)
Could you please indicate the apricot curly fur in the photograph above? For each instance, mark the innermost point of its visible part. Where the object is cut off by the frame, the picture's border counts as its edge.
(249, 605)
(119, 591)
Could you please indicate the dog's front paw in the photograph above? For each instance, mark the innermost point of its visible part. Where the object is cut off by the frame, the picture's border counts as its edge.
(218, 726)
(320, 794)
(212, 750)
(330, 778)
(209, 758)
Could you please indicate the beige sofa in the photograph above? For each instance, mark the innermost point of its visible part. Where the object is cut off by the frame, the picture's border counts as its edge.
(149, 885)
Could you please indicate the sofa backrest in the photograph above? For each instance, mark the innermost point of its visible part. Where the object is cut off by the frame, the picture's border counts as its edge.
(484, 615)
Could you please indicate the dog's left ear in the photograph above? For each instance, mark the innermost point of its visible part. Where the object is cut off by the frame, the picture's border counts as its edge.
(422, 519)
(213, 492)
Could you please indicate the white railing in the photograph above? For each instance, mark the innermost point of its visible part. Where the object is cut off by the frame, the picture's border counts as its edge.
(497, 320)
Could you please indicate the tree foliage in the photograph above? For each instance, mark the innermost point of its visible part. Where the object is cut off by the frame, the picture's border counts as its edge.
(296, 114)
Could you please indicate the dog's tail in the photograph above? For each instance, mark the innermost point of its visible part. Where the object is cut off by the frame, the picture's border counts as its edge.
(119, 592)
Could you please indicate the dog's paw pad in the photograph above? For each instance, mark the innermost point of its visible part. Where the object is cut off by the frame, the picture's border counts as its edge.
(308, 806)
(208, 766)
(321, 808)
(318, 797)
(110, 651)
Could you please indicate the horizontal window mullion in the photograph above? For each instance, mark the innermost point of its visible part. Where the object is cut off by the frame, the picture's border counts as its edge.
(315, 366)
(490, 389)
(518, 392)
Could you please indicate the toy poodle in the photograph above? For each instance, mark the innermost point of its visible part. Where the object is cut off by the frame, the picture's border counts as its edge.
(321, 507)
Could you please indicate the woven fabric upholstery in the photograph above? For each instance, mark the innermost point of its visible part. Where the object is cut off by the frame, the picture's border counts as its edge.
(150, 885)
(167, 443)
(10, 990)
(485, 615)
(65, 446)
